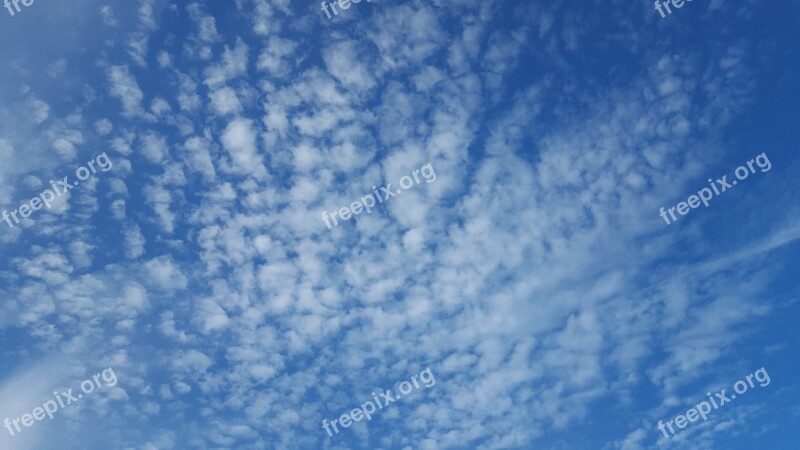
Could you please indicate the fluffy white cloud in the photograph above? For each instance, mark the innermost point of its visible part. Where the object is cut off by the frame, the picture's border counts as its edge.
(240, 140)
(124, 87)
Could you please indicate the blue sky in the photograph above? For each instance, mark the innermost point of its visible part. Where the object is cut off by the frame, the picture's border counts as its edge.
(534, 277)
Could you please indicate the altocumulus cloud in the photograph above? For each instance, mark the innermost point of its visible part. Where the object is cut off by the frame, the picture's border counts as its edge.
(533, 277)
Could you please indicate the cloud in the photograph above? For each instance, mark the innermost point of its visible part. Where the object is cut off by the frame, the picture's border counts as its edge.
(233, 64)
(534, 277)
(165, 274)
(239, 139)
(154, 148)
(343, 62)
(224, 101)
(124, 87)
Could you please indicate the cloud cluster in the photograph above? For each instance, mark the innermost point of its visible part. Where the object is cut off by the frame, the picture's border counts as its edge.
(533, 277)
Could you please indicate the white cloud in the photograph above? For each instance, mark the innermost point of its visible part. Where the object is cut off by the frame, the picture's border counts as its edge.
(233, 64)
(160, 200)
(198, 156)
(224, 101)
(239, 139)
(278, 56)
(108, 15)
(134, 241)
(124, 87)
(344, 61)
(137, 48)
(165, 274)
(103, 126)
(154, 148)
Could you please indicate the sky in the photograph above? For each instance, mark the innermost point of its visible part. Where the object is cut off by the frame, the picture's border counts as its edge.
(575, 253)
